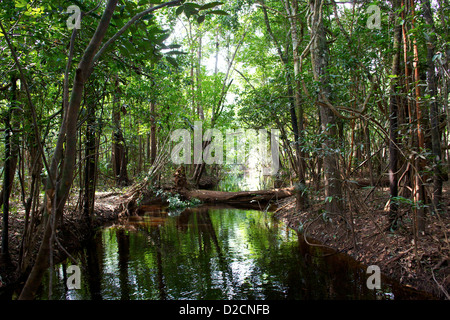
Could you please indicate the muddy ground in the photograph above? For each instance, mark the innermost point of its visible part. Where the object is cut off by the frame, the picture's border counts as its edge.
(71, 233)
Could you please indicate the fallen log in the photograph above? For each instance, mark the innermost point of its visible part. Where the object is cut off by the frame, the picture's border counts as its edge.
(261, 196)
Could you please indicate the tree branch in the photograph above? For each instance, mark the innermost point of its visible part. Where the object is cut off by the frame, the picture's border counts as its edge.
(129, 23)
(326, 103)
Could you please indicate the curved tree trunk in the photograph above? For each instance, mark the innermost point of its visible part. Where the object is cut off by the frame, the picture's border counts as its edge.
(56, 198)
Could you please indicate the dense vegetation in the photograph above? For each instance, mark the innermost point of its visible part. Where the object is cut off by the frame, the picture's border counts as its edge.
(358, 95)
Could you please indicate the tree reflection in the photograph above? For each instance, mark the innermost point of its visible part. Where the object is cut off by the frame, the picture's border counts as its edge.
(214, 253)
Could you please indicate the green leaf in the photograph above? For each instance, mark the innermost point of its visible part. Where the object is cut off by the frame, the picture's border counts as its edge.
(176, 52)
(192, 5)
(200, 19)
(123, 50)
(179, 10)
(210, 5)
(190, 9)
(162, 38)
(172, 61)
(130, 47)
(20, 3)
(148, 17)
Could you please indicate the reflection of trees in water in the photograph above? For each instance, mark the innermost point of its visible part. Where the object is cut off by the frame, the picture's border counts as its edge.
(209, 254)
(94, 250)
(152, 231)
(330, 274)
(201, 247)
(123, 250)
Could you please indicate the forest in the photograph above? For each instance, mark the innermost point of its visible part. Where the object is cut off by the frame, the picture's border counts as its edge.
(351, 98)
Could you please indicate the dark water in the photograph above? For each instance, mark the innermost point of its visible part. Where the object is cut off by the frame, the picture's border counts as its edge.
(212, 253)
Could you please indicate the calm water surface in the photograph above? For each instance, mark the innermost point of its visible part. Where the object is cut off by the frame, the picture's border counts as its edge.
(211, 253)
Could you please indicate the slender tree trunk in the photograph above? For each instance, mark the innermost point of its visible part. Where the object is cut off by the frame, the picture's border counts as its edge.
(119, 156)
(419, 185)
(297, 112)
(90, 164)
(7, 170)
(153, 133)
(393, 120)
(293, 94)
(368, 148)
(199, 80)
(434, 109)
(319, 58)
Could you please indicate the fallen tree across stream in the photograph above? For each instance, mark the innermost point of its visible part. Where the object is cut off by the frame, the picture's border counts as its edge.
(262, 196)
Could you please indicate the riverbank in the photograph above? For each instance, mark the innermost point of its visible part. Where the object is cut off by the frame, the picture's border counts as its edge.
(423, 264)
(71, 235)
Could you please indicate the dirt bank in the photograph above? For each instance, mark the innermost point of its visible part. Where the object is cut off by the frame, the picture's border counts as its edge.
(362, 234)
(71, 235)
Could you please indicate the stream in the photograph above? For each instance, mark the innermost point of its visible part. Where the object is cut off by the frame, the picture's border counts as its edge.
(212, 253)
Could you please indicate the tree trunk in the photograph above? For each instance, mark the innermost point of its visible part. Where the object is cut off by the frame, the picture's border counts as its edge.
(199, 80)
(56, 199)
(434, 109)
(8, 171)
(241, 197)
(153, 133)
(393, 121)
(119, 154)
(319, 60)
(420, 179)
(297, 116)
(90, 164)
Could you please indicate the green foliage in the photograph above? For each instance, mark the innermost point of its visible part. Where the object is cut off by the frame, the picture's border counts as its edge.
(409, 203)
(160, 62)
(196, 10)
(178, 205)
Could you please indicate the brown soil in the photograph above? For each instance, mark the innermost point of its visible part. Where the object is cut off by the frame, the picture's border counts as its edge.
(362, 233)
(71, 233)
